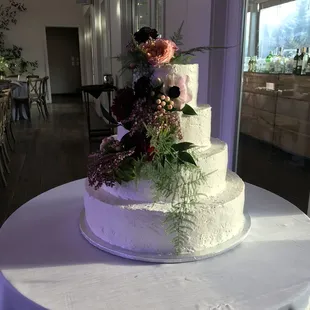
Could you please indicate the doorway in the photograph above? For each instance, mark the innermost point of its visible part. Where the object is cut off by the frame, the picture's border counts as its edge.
(64, 63)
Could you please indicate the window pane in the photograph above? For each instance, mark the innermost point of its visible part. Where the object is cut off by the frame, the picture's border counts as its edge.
(247, 34)
(142, 14)
(285, 25)
(160, 16)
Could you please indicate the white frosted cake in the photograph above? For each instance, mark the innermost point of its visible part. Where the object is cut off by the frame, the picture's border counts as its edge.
(126, 215)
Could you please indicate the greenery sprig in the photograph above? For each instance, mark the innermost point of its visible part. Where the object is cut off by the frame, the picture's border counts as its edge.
(175, 175)
(185, 56)
(177, 36)
(13, 55)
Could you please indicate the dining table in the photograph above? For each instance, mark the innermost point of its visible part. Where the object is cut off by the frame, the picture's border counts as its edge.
(19, 92)
(46, 263)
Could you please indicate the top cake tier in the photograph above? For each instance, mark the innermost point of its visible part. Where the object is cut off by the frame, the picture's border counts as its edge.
(185, 76)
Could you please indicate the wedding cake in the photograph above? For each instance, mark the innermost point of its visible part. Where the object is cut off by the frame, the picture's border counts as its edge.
(161, 186)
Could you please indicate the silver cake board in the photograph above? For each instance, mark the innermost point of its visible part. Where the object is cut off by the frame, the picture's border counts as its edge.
(160, 258)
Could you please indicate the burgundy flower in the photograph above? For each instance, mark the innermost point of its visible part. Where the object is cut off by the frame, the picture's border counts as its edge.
(137, 141)
(144, 34)
(103, 167)
(123, 103)
(143, 87)
(142, 114)
(150, 153)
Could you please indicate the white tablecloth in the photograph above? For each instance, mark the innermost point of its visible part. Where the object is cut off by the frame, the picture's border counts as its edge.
(20, 91)
(45, 259)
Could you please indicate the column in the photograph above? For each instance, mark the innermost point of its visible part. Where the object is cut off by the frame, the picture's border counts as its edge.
(225, 71)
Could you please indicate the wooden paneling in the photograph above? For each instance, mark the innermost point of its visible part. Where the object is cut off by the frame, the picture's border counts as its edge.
(294, 87)
(280, 116)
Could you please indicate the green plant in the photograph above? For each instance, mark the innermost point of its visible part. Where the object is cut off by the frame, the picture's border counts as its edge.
(16, 64)
(175, 175)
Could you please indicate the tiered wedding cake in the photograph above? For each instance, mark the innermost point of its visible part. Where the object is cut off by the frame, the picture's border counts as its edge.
(162, 185)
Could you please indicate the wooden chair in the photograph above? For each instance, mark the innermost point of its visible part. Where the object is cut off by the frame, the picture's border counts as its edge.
(14, 77)
(36, 93)
(9, 120)
(4, 156)
(5, 84)
(44, 95)
(32, 76)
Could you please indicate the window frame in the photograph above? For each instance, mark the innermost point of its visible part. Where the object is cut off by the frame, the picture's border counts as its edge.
(153, 8)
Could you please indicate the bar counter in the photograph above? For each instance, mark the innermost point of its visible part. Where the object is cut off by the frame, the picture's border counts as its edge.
(276, 109)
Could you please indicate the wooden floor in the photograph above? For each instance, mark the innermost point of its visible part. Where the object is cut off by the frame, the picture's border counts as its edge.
(48, 154)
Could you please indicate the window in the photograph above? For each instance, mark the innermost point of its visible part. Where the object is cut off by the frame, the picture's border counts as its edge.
(149, 13)
(106, 37)
(160, 9)
(247, 34)
(142, 14)
(286, 25)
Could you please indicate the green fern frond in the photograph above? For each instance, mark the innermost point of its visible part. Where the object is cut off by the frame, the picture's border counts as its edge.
(176, 181)
(177, 36)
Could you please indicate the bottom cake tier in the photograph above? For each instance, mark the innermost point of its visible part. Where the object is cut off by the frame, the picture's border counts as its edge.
(140, 226)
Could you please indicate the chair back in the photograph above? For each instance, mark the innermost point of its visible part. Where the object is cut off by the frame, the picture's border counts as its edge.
(35, 87)
(32, 76)
(5, 84)
(44, 86)
(3, 114)
(14, 77)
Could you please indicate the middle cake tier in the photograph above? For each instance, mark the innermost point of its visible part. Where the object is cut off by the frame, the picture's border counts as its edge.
(195, 128)
(212, 162)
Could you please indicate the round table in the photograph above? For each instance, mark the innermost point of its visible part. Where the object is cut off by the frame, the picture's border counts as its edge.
(45, 261)
(20, 91)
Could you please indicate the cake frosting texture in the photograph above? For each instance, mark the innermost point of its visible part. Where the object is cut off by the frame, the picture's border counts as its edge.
(140, 226)
(127, 215)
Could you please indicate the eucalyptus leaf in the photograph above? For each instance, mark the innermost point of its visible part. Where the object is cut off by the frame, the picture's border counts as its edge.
(186, 158)
(188, 110)
(183, 146)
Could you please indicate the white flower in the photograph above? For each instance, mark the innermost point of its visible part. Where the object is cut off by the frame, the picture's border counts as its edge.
(181, 82)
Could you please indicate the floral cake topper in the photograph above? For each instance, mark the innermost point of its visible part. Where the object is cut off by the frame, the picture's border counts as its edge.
(151, 104)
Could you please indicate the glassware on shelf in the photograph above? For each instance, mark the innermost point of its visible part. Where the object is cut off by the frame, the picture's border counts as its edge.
(288, 66)
(308, 63)
(296, 62)
(252, 64)
(305, 61)
(268, 61)
(300, 62)
(246, 64)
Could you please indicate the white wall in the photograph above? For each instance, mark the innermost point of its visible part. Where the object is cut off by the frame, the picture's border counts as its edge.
(196, 32)
(29, 33)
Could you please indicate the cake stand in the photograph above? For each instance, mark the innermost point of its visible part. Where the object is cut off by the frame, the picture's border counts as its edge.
(163, 258)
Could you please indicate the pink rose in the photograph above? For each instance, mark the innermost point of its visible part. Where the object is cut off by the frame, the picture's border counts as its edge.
(159, 51)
